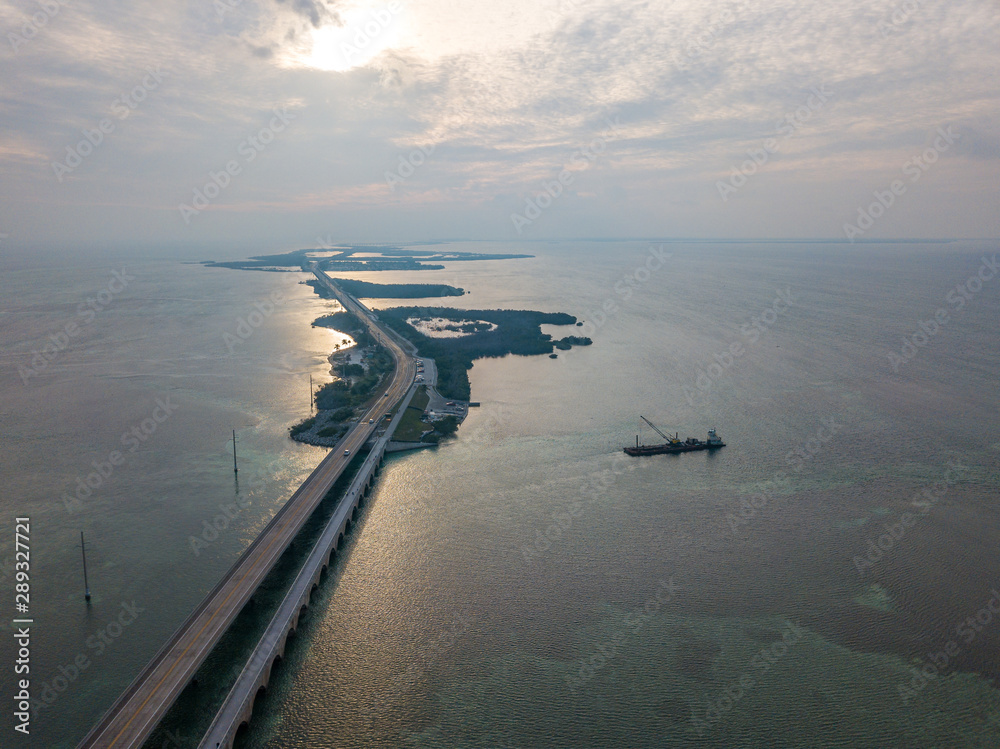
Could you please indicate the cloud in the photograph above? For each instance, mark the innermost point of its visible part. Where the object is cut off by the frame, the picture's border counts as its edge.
(318, 13)
(506, 94)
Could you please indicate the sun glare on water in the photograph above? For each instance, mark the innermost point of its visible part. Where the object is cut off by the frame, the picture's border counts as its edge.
(367, 30)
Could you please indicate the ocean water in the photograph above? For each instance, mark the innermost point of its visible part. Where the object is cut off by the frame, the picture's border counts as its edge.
(527, 585)
(156, 348)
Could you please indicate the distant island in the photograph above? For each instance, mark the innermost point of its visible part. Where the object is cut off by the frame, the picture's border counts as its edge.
(353, 258)
(453, 338)
(360, 384)
(365, 289)
(480, 334)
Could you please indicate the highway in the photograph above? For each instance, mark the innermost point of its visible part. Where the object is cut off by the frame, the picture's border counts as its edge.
(238, 706)
(135, 714)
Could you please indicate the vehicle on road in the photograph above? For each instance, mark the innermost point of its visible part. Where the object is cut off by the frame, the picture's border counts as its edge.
(346, 453)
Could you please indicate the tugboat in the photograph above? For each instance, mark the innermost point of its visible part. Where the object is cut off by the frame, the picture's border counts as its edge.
(674, 444)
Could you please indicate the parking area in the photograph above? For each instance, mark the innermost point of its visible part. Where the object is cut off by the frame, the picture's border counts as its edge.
(438, 404)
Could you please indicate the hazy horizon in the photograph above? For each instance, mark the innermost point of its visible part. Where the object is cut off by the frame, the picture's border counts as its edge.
(275, 123)
(474, 263)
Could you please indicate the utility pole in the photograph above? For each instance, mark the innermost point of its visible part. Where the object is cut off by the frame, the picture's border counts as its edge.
(86, 584)
(235, 469)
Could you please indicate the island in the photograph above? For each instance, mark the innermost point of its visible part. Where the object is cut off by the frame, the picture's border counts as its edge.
(475, 334)
(358, 258)
(368, 290)
(448, 340)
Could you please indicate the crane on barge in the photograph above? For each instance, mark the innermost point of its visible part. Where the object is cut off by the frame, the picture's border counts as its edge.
(675, 440)
(674, 444)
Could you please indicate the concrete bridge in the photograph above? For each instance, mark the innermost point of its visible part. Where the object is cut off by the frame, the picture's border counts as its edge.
(238, 707)
(137, 712)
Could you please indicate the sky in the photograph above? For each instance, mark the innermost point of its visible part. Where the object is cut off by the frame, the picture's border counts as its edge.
(277, 122)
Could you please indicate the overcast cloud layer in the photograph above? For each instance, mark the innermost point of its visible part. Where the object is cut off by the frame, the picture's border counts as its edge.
(451, 119)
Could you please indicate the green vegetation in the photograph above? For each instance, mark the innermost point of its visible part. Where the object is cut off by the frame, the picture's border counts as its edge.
(334, 430)
(410, 426)
(375, 263)
(346, 322)
(517, 332)
(396, 290)
(447, 426)
(420, 399)
(323, 293)
(343, 259)
(295, 260)
(336, 401)
(342, 394)
(401, 258)
(473, 326)
(303, 426)
(443, 429)
(565, 344)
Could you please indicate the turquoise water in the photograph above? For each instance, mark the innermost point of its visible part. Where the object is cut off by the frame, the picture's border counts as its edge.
(502, 590)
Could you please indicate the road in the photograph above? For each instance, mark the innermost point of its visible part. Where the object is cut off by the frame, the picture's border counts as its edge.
(141, 707)
(238, 706)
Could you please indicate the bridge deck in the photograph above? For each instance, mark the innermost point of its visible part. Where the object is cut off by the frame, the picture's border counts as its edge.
(141, 707)
(239, 704)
